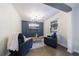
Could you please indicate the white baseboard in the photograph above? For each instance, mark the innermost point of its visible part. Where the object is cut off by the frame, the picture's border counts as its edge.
(62, 45)
(70, 51)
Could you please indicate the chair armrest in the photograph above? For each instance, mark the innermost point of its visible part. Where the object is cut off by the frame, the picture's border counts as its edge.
(25, 42)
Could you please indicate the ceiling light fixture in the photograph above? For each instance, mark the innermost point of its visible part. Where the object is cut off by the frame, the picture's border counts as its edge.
(36, 16)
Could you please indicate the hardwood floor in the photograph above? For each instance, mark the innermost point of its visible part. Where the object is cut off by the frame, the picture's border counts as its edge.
(49, 51)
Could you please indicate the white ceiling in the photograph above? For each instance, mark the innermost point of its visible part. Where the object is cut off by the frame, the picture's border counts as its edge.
(35, 11)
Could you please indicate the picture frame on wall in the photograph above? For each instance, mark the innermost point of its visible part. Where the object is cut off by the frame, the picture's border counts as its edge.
(33, 26)
(54, 25)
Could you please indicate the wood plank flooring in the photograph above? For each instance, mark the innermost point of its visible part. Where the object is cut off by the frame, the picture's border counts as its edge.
(49, 51)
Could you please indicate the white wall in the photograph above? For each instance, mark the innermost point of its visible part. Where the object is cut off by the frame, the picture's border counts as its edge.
(75, 23)
(62, 27)
(69, 32)
(9, 22)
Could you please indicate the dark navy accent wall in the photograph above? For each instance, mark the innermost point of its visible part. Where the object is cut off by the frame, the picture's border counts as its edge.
(32, 32)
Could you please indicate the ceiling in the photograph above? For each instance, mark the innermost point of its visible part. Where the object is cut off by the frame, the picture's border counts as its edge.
(35, 11)
(61, 6)
(72, 4)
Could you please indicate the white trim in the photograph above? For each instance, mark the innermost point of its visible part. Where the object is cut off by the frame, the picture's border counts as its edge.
(62, 45)
(70, 51)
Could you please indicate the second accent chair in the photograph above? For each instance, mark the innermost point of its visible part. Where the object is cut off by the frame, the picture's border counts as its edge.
(51, 40)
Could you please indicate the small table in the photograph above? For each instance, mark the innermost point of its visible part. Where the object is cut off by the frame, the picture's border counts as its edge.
(37, 38)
